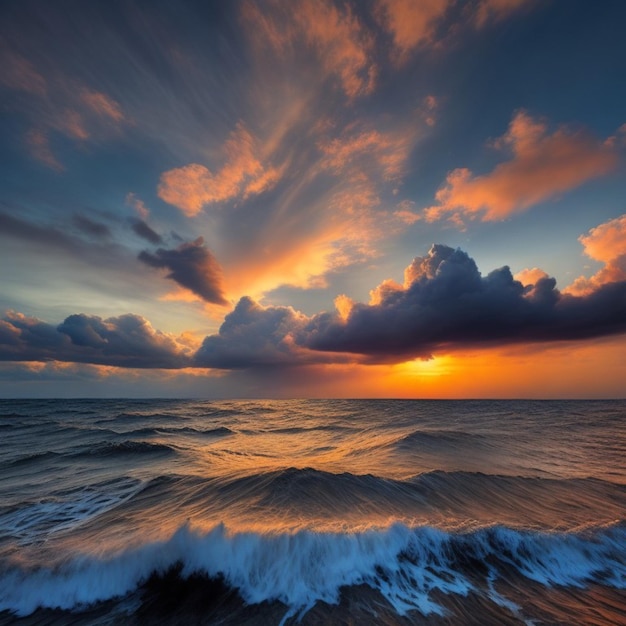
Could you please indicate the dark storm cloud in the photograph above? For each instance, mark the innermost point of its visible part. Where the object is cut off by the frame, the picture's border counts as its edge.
(144, 231)
(192, 266)
(124, 341)
(256, 336)
(448, 304)
(445, 304)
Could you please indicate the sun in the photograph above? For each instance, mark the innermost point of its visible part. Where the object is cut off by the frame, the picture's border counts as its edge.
(433, 366)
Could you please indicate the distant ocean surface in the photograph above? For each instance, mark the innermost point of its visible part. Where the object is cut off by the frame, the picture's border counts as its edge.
(312, 512)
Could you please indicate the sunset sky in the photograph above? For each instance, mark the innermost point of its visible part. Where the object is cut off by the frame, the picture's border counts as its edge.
(313, 198)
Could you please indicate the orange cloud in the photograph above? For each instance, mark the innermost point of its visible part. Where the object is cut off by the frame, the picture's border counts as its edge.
(497, 9)
(58, 104)
(191, 187)
(71, 123)
(386, 152)
(407, 217)
(136, 203)
(102, 105)
(20, 74)
(411, 23)
(605, 243)
(384, 291)
(39, 145)
(543, 165)
(92, 113)
(342, 46)
(530, 276)
(416, 23)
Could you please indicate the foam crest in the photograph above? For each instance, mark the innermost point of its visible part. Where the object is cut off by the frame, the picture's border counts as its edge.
(406, 565)
(65, 509)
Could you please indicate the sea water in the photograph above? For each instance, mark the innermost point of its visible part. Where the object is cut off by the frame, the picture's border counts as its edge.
(312, 511)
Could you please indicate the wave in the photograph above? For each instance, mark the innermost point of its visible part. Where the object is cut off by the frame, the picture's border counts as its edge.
(431, 438)
(125, 448)
(31, 522)
(220, 431)
(130, 418)
(463, 495)
(294, 430)
(410, 567)
(34, 458)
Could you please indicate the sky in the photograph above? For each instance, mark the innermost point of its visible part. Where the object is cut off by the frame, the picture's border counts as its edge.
(313, 198)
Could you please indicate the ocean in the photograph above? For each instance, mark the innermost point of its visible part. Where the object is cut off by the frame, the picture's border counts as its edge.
(313, 512)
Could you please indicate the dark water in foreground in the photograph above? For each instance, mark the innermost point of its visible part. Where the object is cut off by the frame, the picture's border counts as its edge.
(327, 512)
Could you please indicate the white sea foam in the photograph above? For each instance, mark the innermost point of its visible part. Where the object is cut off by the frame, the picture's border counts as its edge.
(65, 509)
(404, 564)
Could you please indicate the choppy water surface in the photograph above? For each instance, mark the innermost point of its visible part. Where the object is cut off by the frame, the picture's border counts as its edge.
(398, 512)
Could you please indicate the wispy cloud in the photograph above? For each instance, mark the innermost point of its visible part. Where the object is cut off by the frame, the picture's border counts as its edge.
(342, 46)
(543, 165)
(368, 151)
(91, 227)
(102, 105)
(19, 74)
(495, 10)
(132, 200)
(58, 105)
(193, 186)
(38, 144)
(143, 230)
(410, 23)
(421, 24)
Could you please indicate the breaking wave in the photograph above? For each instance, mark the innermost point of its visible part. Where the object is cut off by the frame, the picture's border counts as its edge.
(406, 565)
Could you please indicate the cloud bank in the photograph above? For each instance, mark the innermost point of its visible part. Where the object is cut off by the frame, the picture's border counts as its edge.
(124, 341)
(444, 305)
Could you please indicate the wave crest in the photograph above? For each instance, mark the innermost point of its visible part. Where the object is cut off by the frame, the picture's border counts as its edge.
(405, 564)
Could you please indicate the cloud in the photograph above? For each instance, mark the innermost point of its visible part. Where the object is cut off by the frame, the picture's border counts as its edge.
(38, 144)
(411, 23)
(605, 243)
(102, 105)
(192, 186)
(368, 151)
(495, 10)
(445, 304)
(136, 203)
(91, 227)
(342, 46)
(543, 165)
(253, 336)
(415, 24)
(41, 235)
(56, 104)
(192, 266)
(530, 276)
(124, 341)
(20, 74)
(141, 229)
